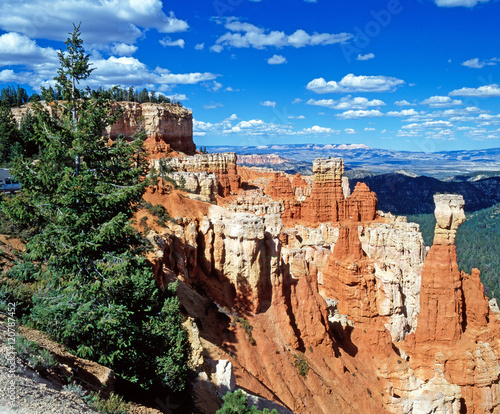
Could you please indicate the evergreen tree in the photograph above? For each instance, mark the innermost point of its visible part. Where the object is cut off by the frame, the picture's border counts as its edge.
(96, 292)
(9, 136)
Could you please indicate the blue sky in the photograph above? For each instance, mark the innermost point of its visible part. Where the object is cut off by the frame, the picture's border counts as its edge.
(417, 75)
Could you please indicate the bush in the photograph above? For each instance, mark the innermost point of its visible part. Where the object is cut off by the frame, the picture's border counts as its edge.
(247, 327)
(301, 364)
(39, 359)
(113, 405)
(236, 403)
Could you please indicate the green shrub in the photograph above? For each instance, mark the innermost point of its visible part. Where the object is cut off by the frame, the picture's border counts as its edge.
(236, 403)
(247, 327)
(39, 359)
(301, 364)
(112, 405)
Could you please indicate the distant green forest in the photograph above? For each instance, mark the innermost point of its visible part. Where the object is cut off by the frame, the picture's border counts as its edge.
(478, 244)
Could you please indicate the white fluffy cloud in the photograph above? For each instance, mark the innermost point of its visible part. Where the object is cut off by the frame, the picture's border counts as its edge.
(403, 113)
(372, 113)
(441, 102)
(352, 83)
(347, 103)
(17, 49)
(476, 63)
(245, 35)
(271, 104)
(123, 49)
(404, 102)
(458, 3)
(486, 91)
(104, 21)
(368, 56)
(167, 41)
(319, 130)
(276, 60)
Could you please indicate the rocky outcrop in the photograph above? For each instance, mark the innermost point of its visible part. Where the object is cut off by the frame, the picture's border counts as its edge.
(167, 126)
(383, 324)
(222, 165)
(457, 334)
(200, 183)
(328, 199)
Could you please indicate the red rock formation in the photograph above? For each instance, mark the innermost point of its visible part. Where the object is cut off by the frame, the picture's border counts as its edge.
(167, 126)
(362, 204)
(456, 332)
(298, 182)
(280, 188)
(326, 202)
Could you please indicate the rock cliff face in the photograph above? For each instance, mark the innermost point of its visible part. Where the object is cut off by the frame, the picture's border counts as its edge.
(376, 322)
(167, 126)
(329, 198)
(222, 165)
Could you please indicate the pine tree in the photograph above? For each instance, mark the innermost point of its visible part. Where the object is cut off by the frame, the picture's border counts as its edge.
(96, 292)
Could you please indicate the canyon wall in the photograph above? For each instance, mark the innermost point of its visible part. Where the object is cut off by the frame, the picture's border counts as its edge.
(168, 127)
(323, 305)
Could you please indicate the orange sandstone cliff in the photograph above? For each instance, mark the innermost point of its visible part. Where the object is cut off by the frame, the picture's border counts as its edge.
(310, 300)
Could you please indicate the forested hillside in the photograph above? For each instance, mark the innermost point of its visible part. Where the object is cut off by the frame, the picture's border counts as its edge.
(478, 244)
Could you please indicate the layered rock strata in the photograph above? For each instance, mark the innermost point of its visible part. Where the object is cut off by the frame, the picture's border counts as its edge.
(328, 200)
(167, 126)
(456, 338)
(222, 165)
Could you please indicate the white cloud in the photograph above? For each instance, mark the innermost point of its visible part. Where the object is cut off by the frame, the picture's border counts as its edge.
(429, 124)
(441, 102)
(271, 104)
(404, 112)
(404, 102)
(296, 117)
(478, 64)
(16, 49)
(369, 129)
(368, 56)
(245, 35)
(349, 131)
(233, 117)
(276, 60)
(458, 3)
(123, 49)
(486, 91)
(296, 101)
(167, 41)
(319, 130)
(347, 103)
(372, 113)
(352, 83)
(200, 46)
(103, 22)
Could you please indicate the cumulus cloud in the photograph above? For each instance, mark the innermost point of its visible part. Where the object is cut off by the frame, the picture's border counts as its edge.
(404, 102)
(352, 83)
(441, 102)
(372, 113)
(276, 60)
(458, 3)
(271, 104)
(319, 130)
(349, 131)
(476, 63)
(167, 41)
(103, 21)
(199, 46)
(246, 35)
(123, 49)
(368, 56)
(404, 112)
(347, 103)
(486, 91)
(17, 49)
